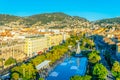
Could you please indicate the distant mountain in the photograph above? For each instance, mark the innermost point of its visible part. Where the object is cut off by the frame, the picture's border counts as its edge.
(53, 19)
(47, 17)
(108, 21)
(4, 18)
(50, 17)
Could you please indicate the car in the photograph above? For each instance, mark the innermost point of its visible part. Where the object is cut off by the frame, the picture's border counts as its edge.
(5, 76)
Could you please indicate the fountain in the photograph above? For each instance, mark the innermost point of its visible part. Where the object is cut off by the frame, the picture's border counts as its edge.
(78, 62)
(65, 70)
(63, 64)
(78, 51)
(74, 65)
(54, 74)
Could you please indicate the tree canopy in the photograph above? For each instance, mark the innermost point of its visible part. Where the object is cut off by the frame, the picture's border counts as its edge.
(77, 77)
(100, 71)
(116, 69)
(10, 61)
(94, 57)
(25, 71)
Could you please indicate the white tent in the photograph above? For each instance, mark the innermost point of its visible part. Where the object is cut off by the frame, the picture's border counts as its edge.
(43, 64)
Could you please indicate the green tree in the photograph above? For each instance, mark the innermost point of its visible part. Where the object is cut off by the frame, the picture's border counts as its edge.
(100, 71)
(10, 61)
(116, 69)
(41, 78)
(117, 78)
(17, 69)
(15, 76)
(25, 71)
(87, 77)
(94, 58)
(28, 71)
(77, 77)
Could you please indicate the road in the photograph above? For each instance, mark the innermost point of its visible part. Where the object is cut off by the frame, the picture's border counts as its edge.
(103, 61)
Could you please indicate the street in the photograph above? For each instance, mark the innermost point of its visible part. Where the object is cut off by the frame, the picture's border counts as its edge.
(103, 61)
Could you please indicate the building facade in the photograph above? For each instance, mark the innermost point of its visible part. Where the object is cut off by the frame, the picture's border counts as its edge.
(33, 45)
(118, 48)
(14, 50)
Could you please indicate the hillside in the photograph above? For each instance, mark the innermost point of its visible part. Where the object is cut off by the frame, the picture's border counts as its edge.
(109, 21)
(47, 19)
(4, 18)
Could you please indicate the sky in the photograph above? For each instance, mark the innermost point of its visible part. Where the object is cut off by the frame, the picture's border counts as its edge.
(89, 9)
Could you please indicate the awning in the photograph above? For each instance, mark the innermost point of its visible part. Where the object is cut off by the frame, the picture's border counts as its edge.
(40, 52)
(43, 64)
